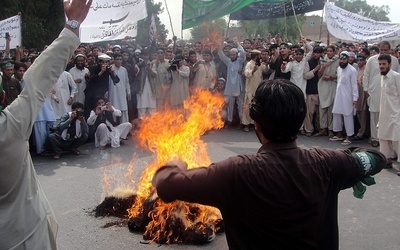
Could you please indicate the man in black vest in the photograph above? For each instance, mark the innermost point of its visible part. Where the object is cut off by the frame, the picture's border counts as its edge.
(104, 127)
(71, 132)
(311, 122)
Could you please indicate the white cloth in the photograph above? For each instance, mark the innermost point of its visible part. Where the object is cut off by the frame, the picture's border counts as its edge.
(104, 136)
(346, 91)
(26, 218)
(372, 81)
(327, 88)
(80, 87)
(62, 87)
(118, 92)
(147, 99)
(389, 117)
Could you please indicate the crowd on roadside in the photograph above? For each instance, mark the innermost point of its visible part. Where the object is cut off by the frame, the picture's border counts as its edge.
(106, 90)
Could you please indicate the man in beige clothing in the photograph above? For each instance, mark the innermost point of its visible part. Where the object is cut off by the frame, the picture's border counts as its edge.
(26, 218)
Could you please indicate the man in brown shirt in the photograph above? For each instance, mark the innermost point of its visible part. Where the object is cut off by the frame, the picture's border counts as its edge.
(11, 86)
(282, 197)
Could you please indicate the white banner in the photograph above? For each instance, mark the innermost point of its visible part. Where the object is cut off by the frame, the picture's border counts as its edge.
(346, 25)
(112, 20)
(11, 25)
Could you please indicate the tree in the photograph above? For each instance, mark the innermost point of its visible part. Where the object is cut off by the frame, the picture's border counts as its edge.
(209, 32)
(41, 21)
(287, 27)
(362, 8)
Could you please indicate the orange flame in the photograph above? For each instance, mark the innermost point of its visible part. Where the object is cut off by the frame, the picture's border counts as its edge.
(173, 135)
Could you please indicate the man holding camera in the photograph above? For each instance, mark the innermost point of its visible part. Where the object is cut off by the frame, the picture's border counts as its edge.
(71, 132)
(106, 129)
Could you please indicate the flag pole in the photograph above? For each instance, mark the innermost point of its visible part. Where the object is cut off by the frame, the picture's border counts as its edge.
(227, 28)
(169, 16)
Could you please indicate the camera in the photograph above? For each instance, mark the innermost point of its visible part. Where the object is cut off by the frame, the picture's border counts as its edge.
(80, 114)
(103, 108)
(174, 64)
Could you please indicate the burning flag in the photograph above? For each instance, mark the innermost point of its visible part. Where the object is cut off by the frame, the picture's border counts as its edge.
(175, 135)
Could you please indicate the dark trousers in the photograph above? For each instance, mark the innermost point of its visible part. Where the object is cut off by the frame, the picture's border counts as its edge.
(57, 144)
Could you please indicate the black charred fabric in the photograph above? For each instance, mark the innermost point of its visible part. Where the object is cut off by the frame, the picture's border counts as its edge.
(113, 206)
(139, 223)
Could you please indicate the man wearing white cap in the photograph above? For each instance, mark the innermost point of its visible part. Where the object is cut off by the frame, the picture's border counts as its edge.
(98, 83)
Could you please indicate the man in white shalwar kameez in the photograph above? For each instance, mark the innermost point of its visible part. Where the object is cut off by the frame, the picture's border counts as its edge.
(120, 93)
(179, 78)
(327, 90)
(146, 98)
(27, 220)
(389, 117)
(107, 131)
(79, 72)
(63, 94)
(345, 99)
(372, 87)
(206, 74)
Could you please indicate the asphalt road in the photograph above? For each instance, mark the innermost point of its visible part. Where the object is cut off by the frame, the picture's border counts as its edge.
(74, 187)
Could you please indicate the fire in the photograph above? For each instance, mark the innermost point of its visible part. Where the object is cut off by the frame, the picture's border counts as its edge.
(173, 135)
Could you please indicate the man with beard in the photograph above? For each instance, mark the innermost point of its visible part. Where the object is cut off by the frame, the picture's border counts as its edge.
(11, 86)
(389, 118)
(120, 93)
(372, 87)
(234, 82)
(288, 195)
(327, 90)
(345, 100)
(79, 73)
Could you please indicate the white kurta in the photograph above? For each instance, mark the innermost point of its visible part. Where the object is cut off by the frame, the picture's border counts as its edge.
(104, 136)
(63, 93)
(80, 87)
(296, 70)
(372, 81)
(26, 218)
(346, 91)
(389, 117)
(179, 86)
(327, 88)
(146, 99)
(118, 92)
(206, 76)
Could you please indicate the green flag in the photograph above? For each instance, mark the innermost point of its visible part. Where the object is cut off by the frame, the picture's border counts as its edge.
(195, 12)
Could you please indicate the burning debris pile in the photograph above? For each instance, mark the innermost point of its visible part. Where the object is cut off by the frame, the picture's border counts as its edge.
(172, 135)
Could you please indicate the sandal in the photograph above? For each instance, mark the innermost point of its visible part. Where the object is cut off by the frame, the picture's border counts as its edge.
(321, 133)
(335, 138)
(56, 156)
(375, 144)
(346, 142)
(75, 151)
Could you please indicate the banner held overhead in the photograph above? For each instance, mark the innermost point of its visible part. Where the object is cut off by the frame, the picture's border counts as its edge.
(346, 25)
(195, 12)
(11, 25)
(275, 9)
(112, 20)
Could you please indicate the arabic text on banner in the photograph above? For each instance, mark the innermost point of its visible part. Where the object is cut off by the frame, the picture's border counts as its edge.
(195, 12)
(270, 10)
(11, 25)
(346, 25)
(112, 20)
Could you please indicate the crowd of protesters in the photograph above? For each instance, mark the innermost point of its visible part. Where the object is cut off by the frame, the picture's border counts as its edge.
(110, 88)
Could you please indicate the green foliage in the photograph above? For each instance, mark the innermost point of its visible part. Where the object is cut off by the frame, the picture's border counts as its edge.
(209, 31)
(287, 27)
(362, 8)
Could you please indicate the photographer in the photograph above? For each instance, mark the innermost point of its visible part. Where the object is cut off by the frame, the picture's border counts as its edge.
(71, 132)
(99, 80)
(105, 128)
(179, 75)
